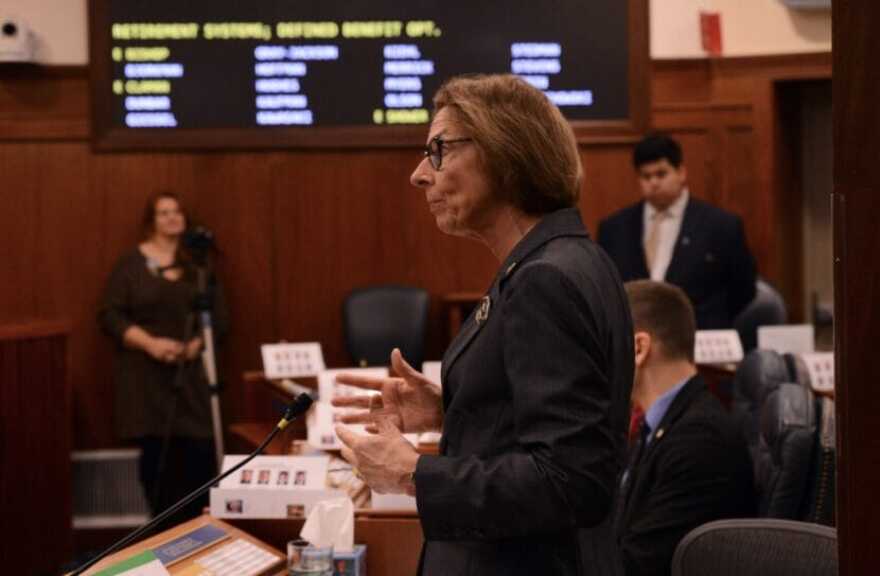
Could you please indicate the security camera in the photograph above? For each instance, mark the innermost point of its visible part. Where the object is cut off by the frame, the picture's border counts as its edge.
(16, 41)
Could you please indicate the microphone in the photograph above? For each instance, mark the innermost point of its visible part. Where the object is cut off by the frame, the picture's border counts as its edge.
(198, 238)
(298, 407)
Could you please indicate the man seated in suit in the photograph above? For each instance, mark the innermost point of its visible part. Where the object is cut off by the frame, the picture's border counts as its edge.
(689, 463)
(670, 236)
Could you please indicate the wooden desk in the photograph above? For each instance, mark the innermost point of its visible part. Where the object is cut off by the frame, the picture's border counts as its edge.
(181, 529)
(244, 437)
(394, 539)
(247, 435)
(275, 386)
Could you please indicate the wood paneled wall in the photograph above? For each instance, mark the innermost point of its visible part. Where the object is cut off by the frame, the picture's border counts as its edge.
(299, 229)
(737, 124)
(35, 429)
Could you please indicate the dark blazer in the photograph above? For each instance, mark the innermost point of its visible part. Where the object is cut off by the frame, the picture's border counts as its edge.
(145, 388)
(695, 469)
(711, 261)
(536, 401)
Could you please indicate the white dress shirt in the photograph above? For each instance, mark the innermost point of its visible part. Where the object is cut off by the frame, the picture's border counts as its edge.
(670, 226)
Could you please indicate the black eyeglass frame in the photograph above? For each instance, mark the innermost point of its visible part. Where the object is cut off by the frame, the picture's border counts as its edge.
(434, 149)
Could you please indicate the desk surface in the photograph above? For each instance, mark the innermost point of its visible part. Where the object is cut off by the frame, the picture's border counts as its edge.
(393, 538)
(186, 563)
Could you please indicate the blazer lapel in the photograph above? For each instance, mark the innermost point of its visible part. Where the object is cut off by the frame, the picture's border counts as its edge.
(684, 252)
(465, 336)
(676, 409)
(637, 250)
(684, 398)
(566, 222)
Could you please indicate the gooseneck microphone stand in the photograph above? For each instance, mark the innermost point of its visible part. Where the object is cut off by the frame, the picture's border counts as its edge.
(296, 408)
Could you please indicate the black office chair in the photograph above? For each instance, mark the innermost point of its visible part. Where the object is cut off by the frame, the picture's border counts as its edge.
(757, 547)
(766, 309)
(783, 458)
(778, 416)
(820, 497)
(378, 319)
(759, 373)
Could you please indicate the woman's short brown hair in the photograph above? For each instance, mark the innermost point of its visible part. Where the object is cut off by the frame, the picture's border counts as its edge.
(527, 146)
(664, 311)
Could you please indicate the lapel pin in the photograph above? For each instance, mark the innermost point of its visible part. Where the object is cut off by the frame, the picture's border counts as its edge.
(510, 269)
(483, 311)
(659, 434)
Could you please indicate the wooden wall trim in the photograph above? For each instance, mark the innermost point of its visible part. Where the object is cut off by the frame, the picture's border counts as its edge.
(34, 329)
(59, 130)
(43, 103)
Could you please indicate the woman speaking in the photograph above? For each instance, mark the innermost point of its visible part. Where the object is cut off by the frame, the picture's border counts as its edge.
(535, 399)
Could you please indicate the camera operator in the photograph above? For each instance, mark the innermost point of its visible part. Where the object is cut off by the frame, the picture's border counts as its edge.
(162, 398)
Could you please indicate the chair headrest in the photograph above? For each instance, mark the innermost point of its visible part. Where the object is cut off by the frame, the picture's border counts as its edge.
(760, 372)
(791, 407)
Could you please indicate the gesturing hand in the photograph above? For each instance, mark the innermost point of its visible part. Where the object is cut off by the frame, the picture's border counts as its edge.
(411, 402)
(385, 460)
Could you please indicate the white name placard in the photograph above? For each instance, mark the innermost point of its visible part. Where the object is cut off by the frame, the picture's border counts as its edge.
(323, 417)
(787, 338)
(717, 347)
(272, 487)
(820, 366)
(293, 360)
(431, 370)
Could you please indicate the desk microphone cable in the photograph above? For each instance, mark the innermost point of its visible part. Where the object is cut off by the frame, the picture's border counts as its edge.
(296, 408)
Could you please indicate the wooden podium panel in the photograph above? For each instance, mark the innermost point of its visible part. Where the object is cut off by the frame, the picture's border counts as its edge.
(393, 538)
(187, 563)
(35, 433)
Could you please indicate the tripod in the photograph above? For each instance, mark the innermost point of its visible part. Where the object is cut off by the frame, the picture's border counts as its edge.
(202, 309)
(209, 360)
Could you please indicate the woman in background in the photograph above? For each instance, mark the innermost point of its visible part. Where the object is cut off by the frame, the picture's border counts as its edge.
(162, 397)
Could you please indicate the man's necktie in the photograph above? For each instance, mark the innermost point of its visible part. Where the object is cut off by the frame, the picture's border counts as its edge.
(635, 455)
(652, 238)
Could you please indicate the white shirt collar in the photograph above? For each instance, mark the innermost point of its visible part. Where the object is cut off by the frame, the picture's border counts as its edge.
(675, 210)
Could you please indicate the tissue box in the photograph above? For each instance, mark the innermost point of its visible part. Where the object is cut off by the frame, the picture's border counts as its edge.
(272, 487)
(352, 563)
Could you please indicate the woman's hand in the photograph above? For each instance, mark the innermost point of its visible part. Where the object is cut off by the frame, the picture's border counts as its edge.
(193, 348)
(385, 460)
(164, 350)
(411, 403)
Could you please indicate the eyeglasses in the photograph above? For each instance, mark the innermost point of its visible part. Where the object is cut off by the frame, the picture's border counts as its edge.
(434, 150)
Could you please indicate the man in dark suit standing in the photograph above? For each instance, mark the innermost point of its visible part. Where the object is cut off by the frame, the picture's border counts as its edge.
(672, 237)
(689, 463)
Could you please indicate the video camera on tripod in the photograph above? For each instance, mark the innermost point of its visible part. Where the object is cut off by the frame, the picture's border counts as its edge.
(199, 242)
